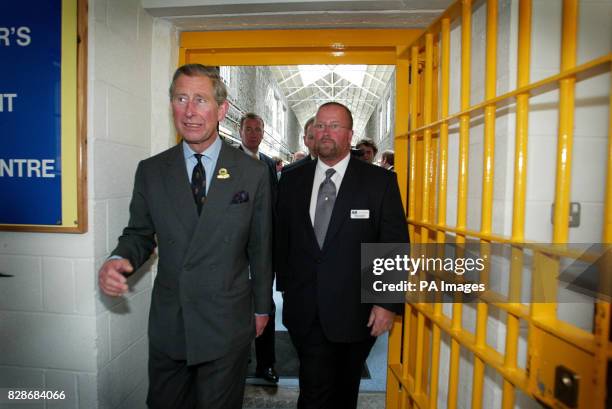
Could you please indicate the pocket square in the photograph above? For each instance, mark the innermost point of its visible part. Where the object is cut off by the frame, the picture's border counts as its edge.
(240, 197)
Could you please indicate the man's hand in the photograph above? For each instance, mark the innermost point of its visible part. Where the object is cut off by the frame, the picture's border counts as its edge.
(381, 320)
(110, 277)
(260, 323)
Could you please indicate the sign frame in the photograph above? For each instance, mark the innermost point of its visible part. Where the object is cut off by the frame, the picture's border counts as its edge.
(73, 124)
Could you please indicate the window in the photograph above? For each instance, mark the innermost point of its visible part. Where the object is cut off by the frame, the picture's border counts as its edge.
(226, 75)
(381, 124)
(388, 112)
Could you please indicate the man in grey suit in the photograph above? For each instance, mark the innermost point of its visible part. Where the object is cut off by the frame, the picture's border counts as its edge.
(208, 208)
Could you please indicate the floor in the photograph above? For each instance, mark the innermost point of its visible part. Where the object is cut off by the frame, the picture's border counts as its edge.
(372, 391)
(377, 361)
(261, 397)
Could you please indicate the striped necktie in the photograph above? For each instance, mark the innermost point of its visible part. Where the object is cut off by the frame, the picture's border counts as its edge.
(325, 205)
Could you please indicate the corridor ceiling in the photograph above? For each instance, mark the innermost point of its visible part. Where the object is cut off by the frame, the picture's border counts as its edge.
(215, 15)
(360, 87)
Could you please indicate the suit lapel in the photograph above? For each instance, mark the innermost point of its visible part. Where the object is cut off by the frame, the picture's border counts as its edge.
(177, 185)
(349, 187)
(303, 197)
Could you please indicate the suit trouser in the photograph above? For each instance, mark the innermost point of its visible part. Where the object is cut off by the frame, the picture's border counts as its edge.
(330, 372)
(264, 344)
(217, 384)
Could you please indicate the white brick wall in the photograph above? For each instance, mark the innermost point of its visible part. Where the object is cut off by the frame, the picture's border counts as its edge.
(58, 332)
(125, 46)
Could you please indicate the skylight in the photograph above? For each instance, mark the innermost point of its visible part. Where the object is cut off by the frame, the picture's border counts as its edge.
(312, 73)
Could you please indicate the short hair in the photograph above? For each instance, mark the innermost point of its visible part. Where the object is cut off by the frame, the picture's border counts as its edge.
(348, 111)
(308, 123)
(251, 115)
(389, 157)
(195, 70)
(277, 160)
(299, 153)
(369, 143)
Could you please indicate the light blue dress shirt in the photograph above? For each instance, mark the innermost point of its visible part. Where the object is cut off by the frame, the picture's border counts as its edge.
(209, 160)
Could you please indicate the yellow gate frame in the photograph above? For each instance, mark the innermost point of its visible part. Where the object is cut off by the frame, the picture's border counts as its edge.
(295, 47)
(300, 47)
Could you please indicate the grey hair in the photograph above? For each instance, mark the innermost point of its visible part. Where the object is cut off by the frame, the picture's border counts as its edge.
(193, 70)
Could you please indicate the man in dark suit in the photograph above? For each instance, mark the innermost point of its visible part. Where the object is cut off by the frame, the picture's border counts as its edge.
(207, 207)
(309, 143)
(326, 209)
(251, 135)
(387, 160)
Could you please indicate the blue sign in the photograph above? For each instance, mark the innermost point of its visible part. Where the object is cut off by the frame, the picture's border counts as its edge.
(30, 112)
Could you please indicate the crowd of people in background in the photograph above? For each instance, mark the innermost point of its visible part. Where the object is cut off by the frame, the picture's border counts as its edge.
(365, 149)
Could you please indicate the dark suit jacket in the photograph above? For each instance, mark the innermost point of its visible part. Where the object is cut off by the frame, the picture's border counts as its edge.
(296, 164)
(272, 172)
(327, 281)
(203, 300)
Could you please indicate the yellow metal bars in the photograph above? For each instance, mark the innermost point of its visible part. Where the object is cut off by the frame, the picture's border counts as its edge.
(566, 123)
(487, 193)
(442, 196)
(464, 129)
(402, 160)
(544, 284)
(551, 342)
(414, 92)
(518, 207)
(425, 192)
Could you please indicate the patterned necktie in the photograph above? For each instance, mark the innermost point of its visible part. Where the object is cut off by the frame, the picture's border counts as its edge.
(198, 183)
(325, 204)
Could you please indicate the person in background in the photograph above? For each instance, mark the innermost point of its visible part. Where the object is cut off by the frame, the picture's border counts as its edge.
(368, 148)
(309, 143)
(297, 156)
(278, 162)
(208, 209)
(251, 135)
(326, 209)
(387, 160)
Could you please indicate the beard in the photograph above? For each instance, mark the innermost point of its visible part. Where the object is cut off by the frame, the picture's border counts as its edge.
(327, 150)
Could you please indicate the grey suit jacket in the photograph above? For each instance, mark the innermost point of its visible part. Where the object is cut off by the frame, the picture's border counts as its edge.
(204, 298)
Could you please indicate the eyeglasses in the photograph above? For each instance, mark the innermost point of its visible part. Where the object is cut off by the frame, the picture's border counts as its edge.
(332, 127)
(182, 100)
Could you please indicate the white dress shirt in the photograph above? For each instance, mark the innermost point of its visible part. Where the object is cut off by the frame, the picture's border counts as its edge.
(319, 177)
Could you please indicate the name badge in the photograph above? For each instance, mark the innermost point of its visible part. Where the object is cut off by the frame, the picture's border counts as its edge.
(360, 214)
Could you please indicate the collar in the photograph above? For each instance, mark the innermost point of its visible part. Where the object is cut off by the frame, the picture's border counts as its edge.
(212, 152)
(339, 167)
(249, 152)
